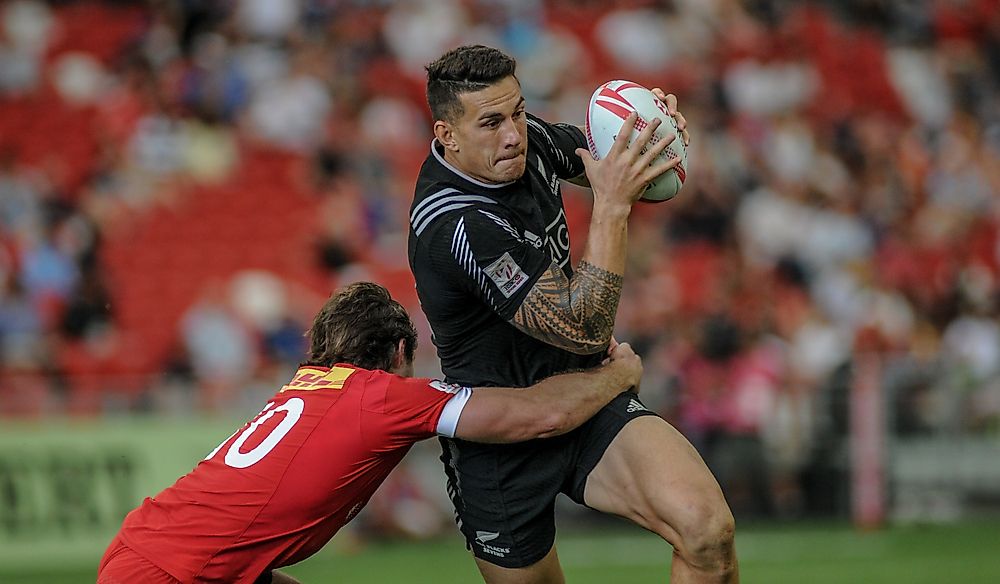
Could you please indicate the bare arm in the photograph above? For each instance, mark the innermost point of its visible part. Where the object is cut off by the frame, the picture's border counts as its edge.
(578, 313)
(551, 407)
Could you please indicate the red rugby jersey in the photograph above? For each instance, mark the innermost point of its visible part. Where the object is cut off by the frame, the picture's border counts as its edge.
(280, 487)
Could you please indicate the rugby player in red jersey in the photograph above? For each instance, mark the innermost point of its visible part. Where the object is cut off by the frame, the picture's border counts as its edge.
(276, 491)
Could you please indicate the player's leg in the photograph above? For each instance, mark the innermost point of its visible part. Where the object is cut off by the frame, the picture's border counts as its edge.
(504, 497)
(652, 475)
(545, 571)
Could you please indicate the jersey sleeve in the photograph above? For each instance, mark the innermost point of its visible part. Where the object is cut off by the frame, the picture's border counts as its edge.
(560, 141)
(400, 410)
(481, 251)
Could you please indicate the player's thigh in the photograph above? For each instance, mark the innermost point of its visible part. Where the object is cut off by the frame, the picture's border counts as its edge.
(545, 571)
(504, 497)
(653, 476)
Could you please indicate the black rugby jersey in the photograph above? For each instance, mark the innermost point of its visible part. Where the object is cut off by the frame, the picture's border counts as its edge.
(475, 250)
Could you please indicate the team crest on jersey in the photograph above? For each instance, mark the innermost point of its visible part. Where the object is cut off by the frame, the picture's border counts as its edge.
(506, 274)
(445, 387)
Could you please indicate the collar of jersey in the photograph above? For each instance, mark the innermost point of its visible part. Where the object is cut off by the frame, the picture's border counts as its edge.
(434, 144)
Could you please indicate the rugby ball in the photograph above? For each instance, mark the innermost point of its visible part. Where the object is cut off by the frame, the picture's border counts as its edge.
(610, 105)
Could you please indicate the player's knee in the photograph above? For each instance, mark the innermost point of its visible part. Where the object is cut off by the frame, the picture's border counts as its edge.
(704, 535)
(708, 539)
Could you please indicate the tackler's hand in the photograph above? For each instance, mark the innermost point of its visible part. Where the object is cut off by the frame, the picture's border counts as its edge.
(621, 354)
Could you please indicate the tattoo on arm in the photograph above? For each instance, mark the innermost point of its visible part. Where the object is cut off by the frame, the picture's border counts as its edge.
(575, 314)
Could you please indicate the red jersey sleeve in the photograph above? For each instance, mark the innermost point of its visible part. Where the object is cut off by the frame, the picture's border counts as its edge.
(399, 410)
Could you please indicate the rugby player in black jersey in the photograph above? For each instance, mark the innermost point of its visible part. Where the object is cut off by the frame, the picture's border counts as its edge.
(489, 249)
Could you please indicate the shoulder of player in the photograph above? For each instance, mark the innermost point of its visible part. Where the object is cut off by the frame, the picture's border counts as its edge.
(485, 222)
(388, 377)
(385, 383)
(441, 202)
(537, 127)
(543, 127)
(542, 135)
(535, 123)
(378, 381)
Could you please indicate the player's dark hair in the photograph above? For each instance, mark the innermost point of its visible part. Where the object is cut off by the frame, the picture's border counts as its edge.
(464, 70)
(361, 325)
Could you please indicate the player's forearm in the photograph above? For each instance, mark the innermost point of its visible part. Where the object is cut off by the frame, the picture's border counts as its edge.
(607, 240)
(573, 398)
(578, 313)
(549, 408)
(575, 314)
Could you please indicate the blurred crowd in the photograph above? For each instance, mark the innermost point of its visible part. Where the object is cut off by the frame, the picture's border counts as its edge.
(843, 201)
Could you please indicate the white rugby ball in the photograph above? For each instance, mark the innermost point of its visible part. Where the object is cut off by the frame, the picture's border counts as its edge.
(610, 105)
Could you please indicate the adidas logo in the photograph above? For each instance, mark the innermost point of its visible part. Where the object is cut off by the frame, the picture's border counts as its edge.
(635, 406)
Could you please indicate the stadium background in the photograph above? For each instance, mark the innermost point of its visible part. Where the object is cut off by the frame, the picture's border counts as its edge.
(182, 183)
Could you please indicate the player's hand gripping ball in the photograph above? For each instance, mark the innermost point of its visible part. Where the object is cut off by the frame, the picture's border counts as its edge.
(610, 105)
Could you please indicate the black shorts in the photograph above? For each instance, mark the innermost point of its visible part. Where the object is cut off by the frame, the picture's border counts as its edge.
(504, 494)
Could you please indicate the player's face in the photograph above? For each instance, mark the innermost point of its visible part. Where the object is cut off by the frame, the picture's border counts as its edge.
(491, 138)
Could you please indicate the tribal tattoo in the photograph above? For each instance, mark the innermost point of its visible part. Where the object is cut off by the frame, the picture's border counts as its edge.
(575, 314)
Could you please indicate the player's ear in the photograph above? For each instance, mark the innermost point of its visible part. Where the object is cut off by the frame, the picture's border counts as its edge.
(400, 364)
(444, 134)
(399, 357)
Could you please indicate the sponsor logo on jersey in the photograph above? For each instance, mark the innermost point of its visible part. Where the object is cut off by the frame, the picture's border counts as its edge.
(445, 387)
(313, 378)
(484, 536)
(506, 274)
(634, 406)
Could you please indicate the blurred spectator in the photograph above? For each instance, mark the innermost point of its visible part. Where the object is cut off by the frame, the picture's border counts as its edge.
(49, 274)
(89, 308)
(267, 19)
(215, 85)
(291, 111)
(635, 39)
(418, 31)
(27, 27)
(21, 327)
(79, 78)
(222, 350)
